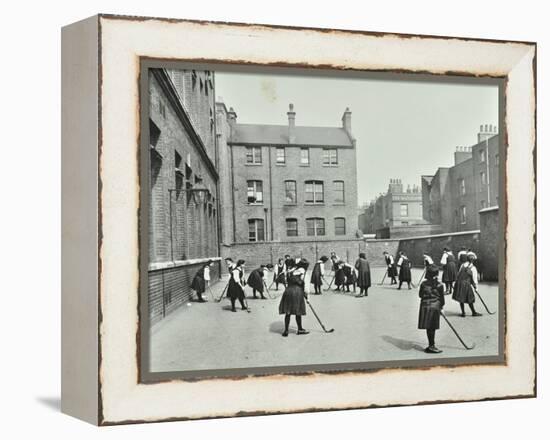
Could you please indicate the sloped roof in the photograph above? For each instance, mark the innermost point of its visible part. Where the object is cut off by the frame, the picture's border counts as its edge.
(262, 134)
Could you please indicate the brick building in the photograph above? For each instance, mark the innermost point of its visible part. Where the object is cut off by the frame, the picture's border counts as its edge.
(453, 197)
(397, 213)
(286, 183)
(183, 181)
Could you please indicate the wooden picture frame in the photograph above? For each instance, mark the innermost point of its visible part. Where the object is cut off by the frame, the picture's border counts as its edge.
(102, 266)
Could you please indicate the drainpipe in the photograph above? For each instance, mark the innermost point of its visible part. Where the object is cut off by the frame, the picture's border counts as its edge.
(270, 195)
(487, 167)
(233, 194)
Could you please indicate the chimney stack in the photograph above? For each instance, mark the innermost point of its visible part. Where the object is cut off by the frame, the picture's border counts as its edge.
(486, 131)
(346, 122)
(291, 124)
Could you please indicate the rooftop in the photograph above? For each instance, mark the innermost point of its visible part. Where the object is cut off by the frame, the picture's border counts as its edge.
(264, 134)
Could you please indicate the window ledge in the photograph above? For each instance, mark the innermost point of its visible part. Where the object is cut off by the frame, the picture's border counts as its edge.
(255, 204)
(253, 164)
(315, 203)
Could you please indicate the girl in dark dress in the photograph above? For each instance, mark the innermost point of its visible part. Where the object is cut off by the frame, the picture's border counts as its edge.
(404, 265)
(256, 281)
(465, 284)
(199, 283)
(318, 274)
(279, 276)
(339, 275)
(432, 300)
(363, 275)
(351, 279)
(391, 269)
(235, 291)
(448, 262)
(293, 299)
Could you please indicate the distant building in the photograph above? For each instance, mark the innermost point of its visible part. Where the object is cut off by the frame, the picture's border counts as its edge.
(183, 182)
(454, 196)
(397, 213)
(286, 182)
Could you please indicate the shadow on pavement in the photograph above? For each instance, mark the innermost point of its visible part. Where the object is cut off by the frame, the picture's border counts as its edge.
(402, 344)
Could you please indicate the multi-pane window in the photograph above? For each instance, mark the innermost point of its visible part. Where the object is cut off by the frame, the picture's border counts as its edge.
(462, 214)
(461, 186)
(256, 230)
(497, 160)
(338, 191)
(483, 178)
(253, 154)
(340, 226)
(315, 226)
(330, 156)
(483, 204)
(280, 155)
(482, 156)
(304, 156)
(314, 191)
(404, 210)
(291, 227)
(290, 192)
(254, 192)
(178, 172)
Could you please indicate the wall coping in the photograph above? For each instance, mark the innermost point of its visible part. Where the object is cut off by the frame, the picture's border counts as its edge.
(256, 243)
(178, 263)
(448, 234)
(490, 209)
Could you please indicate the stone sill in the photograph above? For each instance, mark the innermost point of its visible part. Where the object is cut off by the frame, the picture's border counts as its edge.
(180, 263)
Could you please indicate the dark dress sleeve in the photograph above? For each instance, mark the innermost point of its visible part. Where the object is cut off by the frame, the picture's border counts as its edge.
(441, 292)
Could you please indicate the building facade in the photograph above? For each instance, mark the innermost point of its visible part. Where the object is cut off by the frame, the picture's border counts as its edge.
(286, 182)
(396, 213)
(183, 184)
(453, 196)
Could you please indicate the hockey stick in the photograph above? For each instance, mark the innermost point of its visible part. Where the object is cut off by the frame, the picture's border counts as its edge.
(211, 293)
(456, 333)
(267, 291)
(223, 293)
(318, 319)
(382, 282)
(482, 302)
(331, 281)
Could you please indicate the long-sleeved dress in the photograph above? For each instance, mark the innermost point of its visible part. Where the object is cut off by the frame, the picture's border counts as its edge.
(432, 300)
(390, 263)
(199, 284)
(256, 280)
(363, 273)
(466, 281)
(404, 265)
(318, 273)
(235, 289)
(449, 267)
(293, 299)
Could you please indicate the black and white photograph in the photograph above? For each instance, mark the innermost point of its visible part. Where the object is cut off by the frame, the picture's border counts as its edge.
(301, 221)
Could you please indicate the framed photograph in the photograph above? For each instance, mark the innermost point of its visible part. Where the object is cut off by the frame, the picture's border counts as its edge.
(264, 219)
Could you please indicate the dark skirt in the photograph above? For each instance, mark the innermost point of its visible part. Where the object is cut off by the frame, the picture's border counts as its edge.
(279, 278)
(293, 301)
(316, 279)
(350, 277)
(392, 271)
(256, 281)
(405, 273)
(463, 291)
(198, 284)
(339, 277)
(449, 272)
(428, 315)
(234, 291)
(363, 277)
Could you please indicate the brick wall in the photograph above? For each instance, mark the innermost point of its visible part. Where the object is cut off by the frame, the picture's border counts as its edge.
(268, 252)
(433, 245)
(489, 241)
(170, 288)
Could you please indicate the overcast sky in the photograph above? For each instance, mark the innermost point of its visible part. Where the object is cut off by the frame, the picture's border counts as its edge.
(404, 129)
